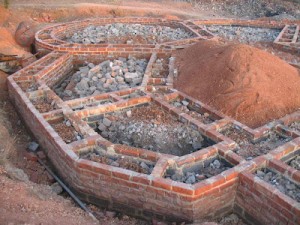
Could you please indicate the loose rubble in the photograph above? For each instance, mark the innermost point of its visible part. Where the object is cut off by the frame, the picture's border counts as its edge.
(249, 149)
(110, 75)
(282, 183)
(203, 171)
(295, 126)
(121, 33)
(186, 107)
(151, 128)
(295, 163)
(140, 166)
(247, 35)
(66, 131)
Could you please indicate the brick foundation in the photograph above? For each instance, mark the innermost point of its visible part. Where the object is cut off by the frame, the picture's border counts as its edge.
(141, 195)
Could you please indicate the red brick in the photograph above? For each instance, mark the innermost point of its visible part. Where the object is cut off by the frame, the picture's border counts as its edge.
(162, 183)
(182, 188)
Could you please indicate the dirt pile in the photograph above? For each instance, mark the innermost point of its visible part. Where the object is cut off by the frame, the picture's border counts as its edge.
(243, 82)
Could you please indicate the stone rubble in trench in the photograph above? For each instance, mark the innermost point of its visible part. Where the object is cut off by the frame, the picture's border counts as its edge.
(108, 76)
(128, 34)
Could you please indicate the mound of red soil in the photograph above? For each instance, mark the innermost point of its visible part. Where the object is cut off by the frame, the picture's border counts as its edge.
(248, 84)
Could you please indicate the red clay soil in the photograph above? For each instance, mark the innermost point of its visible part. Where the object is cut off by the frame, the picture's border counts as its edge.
(248, 84)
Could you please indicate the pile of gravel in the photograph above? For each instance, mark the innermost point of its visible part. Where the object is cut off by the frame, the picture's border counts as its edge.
(110, 75)
(245, 35)
(123, 33)
(283, 184)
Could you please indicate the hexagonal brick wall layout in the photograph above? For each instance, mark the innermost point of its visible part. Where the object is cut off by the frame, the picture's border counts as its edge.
(102, 104)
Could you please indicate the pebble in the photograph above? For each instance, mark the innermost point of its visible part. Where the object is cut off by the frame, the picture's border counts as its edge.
(56, 188)
(106, 122)
(110, 214)
(191, 179)
(128, 113)
(144, 166)
(102, 127)
(185, 103)
(215, 164)
(33, 146)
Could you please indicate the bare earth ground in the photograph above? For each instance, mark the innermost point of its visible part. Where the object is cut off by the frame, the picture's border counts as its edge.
(25, 196)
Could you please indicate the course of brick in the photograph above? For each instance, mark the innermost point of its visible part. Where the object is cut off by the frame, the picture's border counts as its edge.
(140, 194)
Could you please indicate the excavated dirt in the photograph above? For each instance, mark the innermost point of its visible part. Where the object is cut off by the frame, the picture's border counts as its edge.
(66, 131)
(150, 127)
(43, 105)
(243, 82)
(249, 149)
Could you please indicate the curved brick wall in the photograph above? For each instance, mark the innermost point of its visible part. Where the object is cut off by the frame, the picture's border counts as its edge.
(142, 195)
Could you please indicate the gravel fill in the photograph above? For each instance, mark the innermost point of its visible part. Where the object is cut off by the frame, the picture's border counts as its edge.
(283, 184)
(66, 131)
(108, 76)
(247, 148)
(245, 35)
(28, 86)
(295, 163)
(152, 128)
(130, 163)
(295, 126)
(122, 33)
(186, 107)
(202, 171)
(232, 219)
